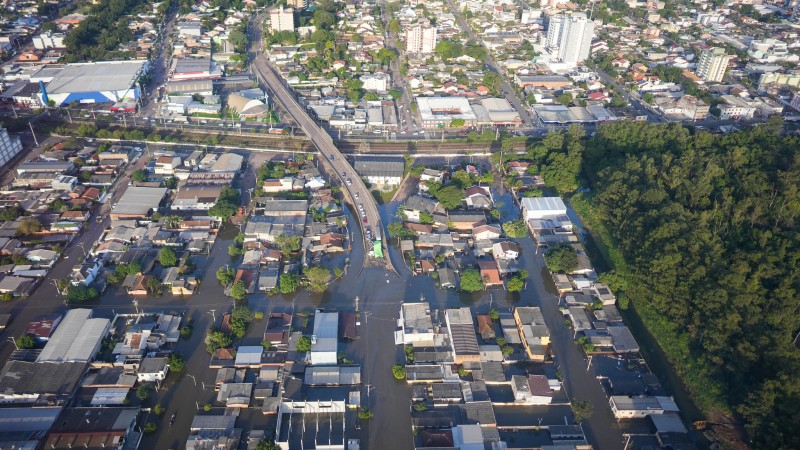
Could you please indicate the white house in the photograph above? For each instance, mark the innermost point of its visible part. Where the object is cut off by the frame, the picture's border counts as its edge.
(415, 323)
(376, 82)
(152, 370)
(505, 250)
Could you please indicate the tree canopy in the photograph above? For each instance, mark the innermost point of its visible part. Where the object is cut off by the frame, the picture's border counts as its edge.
(450, 197)
(318, 277)
(561, 258)
(167, 257)
(706, 231)
(471, 281)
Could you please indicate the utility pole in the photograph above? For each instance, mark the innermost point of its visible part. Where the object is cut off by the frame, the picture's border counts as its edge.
(213, 313)
(34, 134)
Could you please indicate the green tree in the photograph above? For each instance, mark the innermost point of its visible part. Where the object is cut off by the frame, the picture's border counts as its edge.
(266, 444)
(289, 283)
(449, 197)
(81, 293)
(143, 391)
(395, 93)
(515, 284)
(239, 290)
(150, 427)
(399, 372)
(288, 244)
(462, 179)
(394, 26)
(304, 344)
(167, 257)
(494, 315)
(216, 339)
(561, 258)
(398, 231)
(471, 281)
(365, 413)
(225, 275)
(582, 409)
(140, 176)
(516, 229)
(29, 225)
(26, 342)
(318, 277)
(176, 362)
(158, 410)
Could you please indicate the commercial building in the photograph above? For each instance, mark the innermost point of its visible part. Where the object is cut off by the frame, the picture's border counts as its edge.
(96, 82)
(195, 69)
(48, 40)
(541, 207)
(94, 428)
(247, 107)
(736, 108)
(138, 203)
(713, 64)
(39, 383)
(441, 111)
(570, 37)
(421, 38)
(463, 340)
(324, 341)
(281, 19)
(78, 338)
(9, 147)
(376, 82)
(380, 171)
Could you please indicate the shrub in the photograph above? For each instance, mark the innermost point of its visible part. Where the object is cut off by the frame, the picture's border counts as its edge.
(399, 372)
(304, 344)
(150, 427)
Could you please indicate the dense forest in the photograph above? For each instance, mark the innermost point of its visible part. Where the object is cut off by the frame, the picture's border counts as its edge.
(99, 37)
(706, 227)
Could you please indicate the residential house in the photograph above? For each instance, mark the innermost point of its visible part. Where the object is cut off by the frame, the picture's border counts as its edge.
(478, 197)
(486, 327)
(466, 221)
(447, 278)
(490, 274)
(86, 272)
(152, 370)
(42, 327)
(533, 330)
(485, 232)
(506, 250)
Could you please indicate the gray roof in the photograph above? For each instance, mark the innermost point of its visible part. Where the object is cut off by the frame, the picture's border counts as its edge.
(27, 419)
(478, 413)
(367, 166)
(189, 86)
(76, 339)
(139, 200)
(333, 375)
(152, 365)
(213, 423)
(96, 77)
(21, 377)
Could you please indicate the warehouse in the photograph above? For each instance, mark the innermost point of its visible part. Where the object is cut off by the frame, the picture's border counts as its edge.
(78, 338)
(441, 111)
(97, 82)
(195, 69)
(138, 202)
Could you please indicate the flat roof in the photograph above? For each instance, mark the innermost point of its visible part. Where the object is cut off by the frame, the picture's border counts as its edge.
(138, 201)
(96, 76)
(445, 108)
(77, 338)
(554, 204)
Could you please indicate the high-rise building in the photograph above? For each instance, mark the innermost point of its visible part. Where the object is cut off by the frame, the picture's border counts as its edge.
(575, 39)
(281, 19)
(712, 64)
(298, 4)
(421, 38)
(554, 28)
(10, 146)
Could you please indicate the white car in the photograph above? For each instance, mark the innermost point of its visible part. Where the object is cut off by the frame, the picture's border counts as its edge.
(356, 195)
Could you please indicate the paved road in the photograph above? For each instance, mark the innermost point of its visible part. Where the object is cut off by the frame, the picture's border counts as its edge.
(356, 190)
(160, 68)
(505, 87)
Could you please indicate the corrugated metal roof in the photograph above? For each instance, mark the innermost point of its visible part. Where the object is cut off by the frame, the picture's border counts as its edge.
(76, 339)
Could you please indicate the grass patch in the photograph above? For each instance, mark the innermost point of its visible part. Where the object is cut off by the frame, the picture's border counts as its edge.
(383, 197)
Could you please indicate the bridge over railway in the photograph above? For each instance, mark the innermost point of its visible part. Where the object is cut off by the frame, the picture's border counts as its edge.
(354, 189)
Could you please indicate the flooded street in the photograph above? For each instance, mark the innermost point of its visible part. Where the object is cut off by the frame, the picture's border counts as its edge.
(380, 294)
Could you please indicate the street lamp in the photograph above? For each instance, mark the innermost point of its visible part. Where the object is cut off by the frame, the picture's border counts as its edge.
(13, 341)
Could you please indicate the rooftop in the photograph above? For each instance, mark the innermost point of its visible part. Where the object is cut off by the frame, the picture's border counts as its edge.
(96, 76)
(139, 201)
